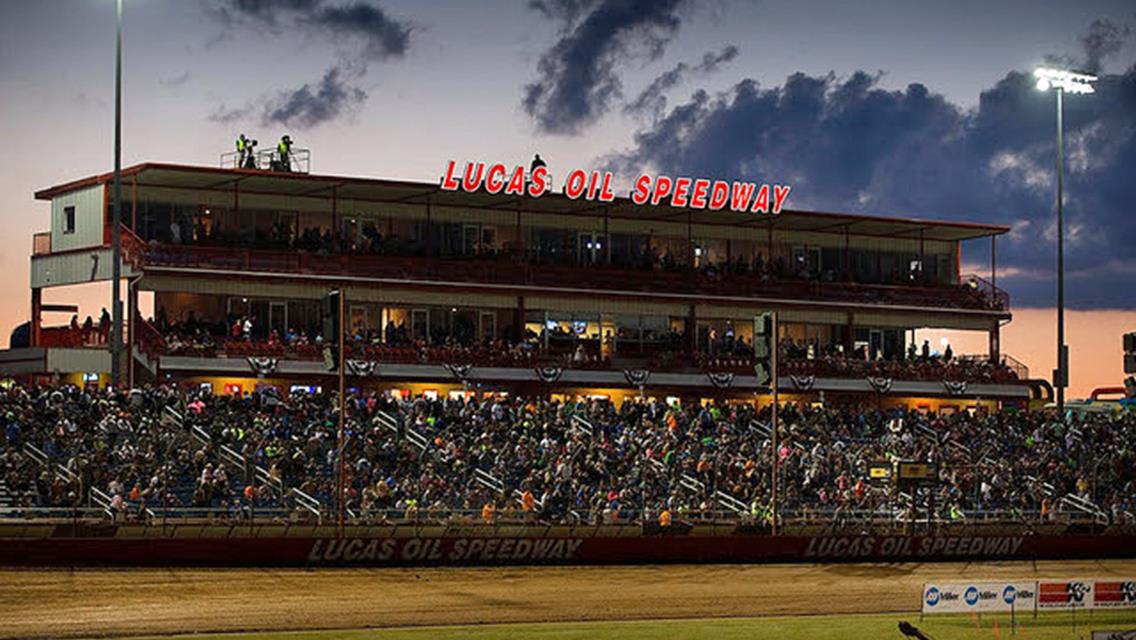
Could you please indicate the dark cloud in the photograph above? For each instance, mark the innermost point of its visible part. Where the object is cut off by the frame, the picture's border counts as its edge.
(269, 10)
(359, 22)
(175, 81)
(230, 115)
(846, 144)
(566, 10)
(384, 36)
(1103, 39)
(579, 74)
(652, 101)
(310, 105)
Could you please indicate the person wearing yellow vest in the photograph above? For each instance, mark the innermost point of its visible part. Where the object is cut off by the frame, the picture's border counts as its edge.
(528, 501)
(665, 518)
(246, 150)
(242, 150)
(284, 154)
(489, 512)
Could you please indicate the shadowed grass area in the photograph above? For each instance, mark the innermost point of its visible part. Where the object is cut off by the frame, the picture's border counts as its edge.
(1049, 626)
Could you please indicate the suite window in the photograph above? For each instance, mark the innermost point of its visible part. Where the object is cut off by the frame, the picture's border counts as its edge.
(68, 219)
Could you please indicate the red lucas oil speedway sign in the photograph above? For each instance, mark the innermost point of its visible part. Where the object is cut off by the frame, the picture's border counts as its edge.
(853, 547)
(442, 550)
(655, 190)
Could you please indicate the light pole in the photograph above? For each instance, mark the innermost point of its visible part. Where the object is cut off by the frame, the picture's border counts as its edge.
(1061, 81)
(116, 218)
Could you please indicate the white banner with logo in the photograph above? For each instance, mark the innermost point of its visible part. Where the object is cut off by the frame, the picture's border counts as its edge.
(1114, 594)
(979, 597)
(1065, 594)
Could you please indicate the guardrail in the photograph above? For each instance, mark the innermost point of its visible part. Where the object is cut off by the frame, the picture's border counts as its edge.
(299, 161)
(729, 519)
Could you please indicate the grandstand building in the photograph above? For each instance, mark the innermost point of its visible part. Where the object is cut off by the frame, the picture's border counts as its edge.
(453, 292)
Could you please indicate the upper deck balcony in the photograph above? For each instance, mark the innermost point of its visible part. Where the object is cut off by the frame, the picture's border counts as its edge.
(301, 224)
(734, 279)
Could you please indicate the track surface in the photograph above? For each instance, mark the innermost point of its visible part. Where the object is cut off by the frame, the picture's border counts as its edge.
(102, 602)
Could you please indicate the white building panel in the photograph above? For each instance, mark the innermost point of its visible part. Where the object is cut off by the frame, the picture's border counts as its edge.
(78, 360)
(78, 267)
(85, 208)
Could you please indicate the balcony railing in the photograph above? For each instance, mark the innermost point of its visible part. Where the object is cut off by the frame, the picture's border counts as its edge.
(74, 337)
(299, 160)
(975, 369)
(503, 270)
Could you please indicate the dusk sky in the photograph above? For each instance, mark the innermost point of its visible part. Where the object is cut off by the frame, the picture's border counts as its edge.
(896, 107)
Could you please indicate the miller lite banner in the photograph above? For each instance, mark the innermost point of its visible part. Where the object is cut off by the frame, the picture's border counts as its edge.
(979, 597)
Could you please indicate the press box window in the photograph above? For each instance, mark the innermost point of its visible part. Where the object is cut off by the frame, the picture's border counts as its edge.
(68, 219)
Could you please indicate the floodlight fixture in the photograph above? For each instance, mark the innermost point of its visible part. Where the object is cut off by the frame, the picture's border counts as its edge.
(1069, 81)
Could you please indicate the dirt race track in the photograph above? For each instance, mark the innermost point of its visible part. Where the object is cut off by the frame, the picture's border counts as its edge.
(101, 602)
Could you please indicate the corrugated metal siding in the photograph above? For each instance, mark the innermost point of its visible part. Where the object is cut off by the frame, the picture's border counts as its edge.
(73, 360)
(919, 321)
(88, 205)
(245, 288)
(502, 218)
(74, 268)
(813, 316)
(707, 311)
(654, 227)
(430, 298)
(300, 291)
(594, 304)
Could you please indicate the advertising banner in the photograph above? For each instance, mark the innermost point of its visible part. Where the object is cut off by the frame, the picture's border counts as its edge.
(1114, 594)
(979, 597)
(1065, 594)
(190, 546)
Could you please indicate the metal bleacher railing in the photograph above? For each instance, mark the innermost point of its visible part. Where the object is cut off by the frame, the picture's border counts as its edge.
(303, 502)
(299, 161)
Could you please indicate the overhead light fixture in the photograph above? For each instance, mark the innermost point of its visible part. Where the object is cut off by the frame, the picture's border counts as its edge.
(1064, 80)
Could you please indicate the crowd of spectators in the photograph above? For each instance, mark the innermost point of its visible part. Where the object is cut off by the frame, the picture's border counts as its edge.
(553, 461)
(719, 350)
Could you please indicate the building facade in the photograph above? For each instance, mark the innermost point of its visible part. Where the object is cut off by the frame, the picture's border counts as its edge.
(452, 293)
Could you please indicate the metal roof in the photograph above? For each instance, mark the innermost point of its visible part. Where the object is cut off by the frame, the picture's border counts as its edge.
(153, 174)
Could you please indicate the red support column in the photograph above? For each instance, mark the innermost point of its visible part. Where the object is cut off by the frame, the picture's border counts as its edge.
(34, 339)
(996, 342)
(519, 321)
(692, 331)
(994, 261)
(132, 326)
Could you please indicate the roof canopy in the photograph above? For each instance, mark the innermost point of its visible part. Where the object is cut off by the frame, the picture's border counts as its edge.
(380, 190)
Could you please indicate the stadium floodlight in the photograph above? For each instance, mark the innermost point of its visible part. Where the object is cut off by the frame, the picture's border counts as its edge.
(1061, 81)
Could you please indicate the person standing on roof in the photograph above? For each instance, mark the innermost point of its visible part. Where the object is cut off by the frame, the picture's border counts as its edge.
(284, 154)
(244, 151)
(537, 162)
